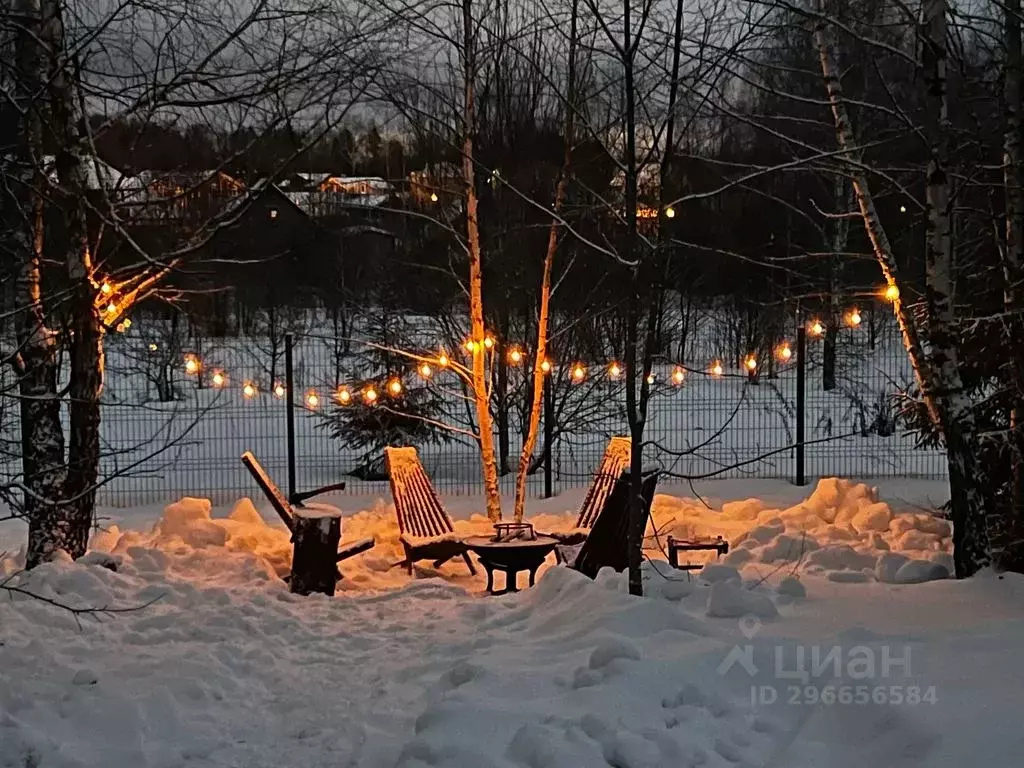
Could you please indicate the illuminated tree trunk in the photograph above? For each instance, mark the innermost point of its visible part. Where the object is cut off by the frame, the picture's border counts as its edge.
(481, 390)
(936, 369)
(543, 315)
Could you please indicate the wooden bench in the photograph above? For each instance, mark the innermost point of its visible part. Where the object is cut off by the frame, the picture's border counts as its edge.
(607, 545)
(613, 463)
(316, 533)
(427, 532)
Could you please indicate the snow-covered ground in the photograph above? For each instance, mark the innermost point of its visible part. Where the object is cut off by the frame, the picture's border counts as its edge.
(226, 668)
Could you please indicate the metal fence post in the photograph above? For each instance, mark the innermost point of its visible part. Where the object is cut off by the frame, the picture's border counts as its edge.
(801, 391)
(549, 433)
(290, 411)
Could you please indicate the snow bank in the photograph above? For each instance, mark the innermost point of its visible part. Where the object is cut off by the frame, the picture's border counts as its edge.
(843, 531)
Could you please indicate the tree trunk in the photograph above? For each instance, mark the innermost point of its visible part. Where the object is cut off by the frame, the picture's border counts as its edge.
(1009, 541)
(315, 553)
(937, 373)
(838, 246)
(544, 311)
(481, 393)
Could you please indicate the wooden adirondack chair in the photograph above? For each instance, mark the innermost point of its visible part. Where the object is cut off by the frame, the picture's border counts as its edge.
(316, 533)
(614, 462)
(427, 532)
(607, 545)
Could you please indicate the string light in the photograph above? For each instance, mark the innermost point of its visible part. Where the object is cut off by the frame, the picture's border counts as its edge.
(488, 342)
(545, 366)
(650, 377)
(127, 323)
(219, 378)
(191, 364)
(579, 373)
(343, 396)
(784, 352)
(817, 329)
(892, 292)
(678, 376)
(716, 368)
(153, 348)
(470, 346)
(279, 390)
(433, 197)
(751, 363)
(853, 318)
(426, 371)
(111, 308)
(312, 399)
(395, 387)
(106, 289)
(615, 370)
(249, 390)
(515, 356)
(119, 328)
(670, 212)
(443, 360)
(370, 395)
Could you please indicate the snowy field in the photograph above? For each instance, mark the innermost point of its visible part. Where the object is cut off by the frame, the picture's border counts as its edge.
(153, 451)
(226, 668)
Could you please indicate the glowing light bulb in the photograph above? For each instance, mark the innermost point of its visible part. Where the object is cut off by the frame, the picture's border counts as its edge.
(615, 370)
(127, 323)
(515, 356)
(903, 209)
(426, 371)
(443, 360)
(433, 197)
(853, 318)
(312, 399)
(579, 372)
(751, 363)
(785, 352)
(678, 376)
(470, 346)
(153, 348)
(546, 366)
(218, 379)
(716, 368)
(249, 390)
(488, 342)
(370, 395)
(395, 387)
(343, 396)
(892, 292)
(650, 378)
(111, 308)
(279, 390)
(817, 329)
(106, 289)
(670, 212)
(119, 328)
(191, 365)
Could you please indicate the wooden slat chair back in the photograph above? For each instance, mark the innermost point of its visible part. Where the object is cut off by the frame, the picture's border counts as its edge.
(270, 490)
(608, 542)
(419, 511)
(417, 505)
(613, 464)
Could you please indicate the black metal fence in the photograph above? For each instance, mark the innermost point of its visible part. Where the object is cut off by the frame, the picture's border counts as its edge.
(703, 422)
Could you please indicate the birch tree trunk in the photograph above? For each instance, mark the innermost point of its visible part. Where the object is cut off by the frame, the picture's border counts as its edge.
(86, 340)
(840, 236)
(544, 310)
(936, 371)
(481, 390)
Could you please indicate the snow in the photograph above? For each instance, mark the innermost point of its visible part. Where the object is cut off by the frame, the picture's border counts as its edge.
(223, 666)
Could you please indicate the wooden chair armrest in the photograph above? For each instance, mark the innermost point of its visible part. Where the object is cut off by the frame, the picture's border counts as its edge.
(353, 549)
